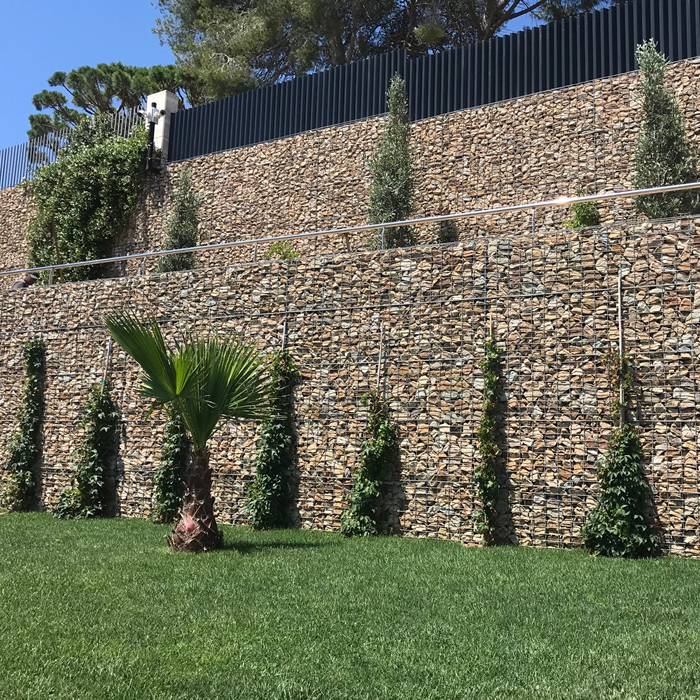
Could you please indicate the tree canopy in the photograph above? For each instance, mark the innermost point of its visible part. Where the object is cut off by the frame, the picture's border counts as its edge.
(224, 47)
(105, 88)
(233, 45)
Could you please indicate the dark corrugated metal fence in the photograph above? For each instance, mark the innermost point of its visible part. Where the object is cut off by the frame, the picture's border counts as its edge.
(574, 50)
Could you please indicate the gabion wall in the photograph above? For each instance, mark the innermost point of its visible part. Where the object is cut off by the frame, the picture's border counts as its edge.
(536, 147)
(416, 319)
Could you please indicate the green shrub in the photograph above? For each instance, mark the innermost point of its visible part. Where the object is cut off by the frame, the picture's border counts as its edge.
(486, 468)
(378, 462)
(85, 199)
(664, 155)
(170, 475)
(19, 492)
(622, 524)
(392, 186)
(89, 495)
(269, 497)
(183, 225)
(583, 215)
(282, 250)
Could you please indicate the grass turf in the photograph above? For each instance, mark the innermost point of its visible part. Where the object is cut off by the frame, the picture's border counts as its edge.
(101, 609)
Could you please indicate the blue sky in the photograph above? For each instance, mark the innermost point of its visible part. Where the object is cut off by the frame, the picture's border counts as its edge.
(39, 37)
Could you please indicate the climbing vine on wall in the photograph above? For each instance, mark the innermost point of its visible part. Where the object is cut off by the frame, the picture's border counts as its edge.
(90, 493)
(169, 477)
(19, 492)
(623, 523)
(486, 469)
(378, 462)
(269, 496)
(85, 198)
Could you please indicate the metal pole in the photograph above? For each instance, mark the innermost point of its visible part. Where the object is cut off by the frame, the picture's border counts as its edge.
(108, 361)
(620, 350)
(284, 330)
(381, 355)
(553, 203)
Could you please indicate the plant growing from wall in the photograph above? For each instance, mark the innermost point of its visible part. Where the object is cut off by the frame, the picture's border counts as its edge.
(282, 250)
(583, 215)
(204, 381)
(391, 189)
(90, 494)
(182, 226)
(622, 524)
(85, 199)
(378, 462)
(19, 492)
(664, 155)
(269, 497)
(486, 469)
(170, 475)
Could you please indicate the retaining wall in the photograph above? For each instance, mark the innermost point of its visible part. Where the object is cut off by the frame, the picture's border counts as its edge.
(535, 147)
(553, 304)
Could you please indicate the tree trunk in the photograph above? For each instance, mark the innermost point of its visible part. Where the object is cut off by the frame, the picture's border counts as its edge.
(196, 530)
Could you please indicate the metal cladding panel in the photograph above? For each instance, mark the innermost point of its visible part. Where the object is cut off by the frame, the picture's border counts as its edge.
(574, 50)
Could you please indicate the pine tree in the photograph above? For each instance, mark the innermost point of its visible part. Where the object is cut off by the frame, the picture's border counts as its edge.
(664, 155)
(391, 191)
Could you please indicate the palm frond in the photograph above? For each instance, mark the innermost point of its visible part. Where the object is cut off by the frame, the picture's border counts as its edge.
(233, 384)
(250, 390)
(206, 380)
(144, 342)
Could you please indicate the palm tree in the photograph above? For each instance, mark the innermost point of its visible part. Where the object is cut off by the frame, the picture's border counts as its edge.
(204, 381)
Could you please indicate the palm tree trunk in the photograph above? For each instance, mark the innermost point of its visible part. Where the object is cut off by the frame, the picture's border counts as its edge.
(196, 530)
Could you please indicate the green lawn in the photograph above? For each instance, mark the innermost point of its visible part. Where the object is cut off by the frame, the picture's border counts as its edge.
(101, 609)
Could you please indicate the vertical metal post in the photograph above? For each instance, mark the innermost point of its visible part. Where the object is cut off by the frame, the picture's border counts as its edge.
(285, 330)
(381, 355)
(108, 361)
(620, 349)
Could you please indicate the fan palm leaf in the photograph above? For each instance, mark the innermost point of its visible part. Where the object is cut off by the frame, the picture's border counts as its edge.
(205, 380)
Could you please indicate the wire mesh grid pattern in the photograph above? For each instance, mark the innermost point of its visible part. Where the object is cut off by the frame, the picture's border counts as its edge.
(419, 316)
